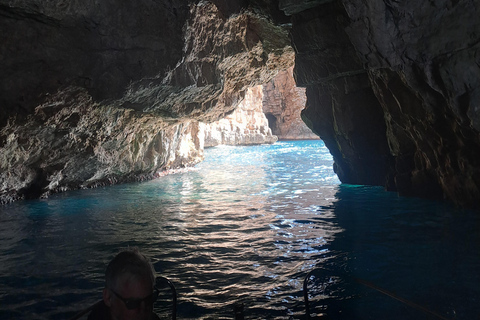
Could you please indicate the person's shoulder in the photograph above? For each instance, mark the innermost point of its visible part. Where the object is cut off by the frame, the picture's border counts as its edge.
(99, 312)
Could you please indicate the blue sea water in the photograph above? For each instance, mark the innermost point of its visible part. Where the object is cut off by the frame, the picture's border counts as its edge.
(246, 226)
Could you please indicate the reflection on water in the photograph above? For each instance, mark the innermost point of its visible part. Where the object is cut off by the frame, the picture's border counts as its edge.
(245, 226)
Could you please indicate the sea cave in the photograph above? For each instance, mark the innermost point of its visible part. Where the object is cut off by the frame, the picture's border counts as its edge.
(92, 98)
(97, 96)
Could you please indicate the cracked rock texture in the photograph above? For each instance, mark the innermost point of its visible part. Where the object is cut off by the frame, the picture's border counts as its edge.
(247, 125)
(71, 142)
(100, 92)
(269, 112)
(393, 89)
(283, 103)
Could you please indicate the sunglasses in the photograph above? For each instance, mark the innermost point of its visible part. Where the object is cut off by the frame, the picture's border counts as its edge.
(136, 303)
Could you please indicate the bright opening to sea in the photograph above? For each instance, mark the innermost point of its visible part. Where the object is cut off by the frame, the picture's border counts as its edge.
(245, 227)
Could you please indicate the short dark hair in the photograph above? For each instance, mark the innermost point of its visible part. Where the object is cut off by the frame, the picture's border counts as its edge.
(129, 261)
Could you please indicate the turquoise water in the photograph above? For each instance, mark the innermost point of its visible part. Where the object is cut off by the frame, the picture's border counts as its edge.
(246, 226)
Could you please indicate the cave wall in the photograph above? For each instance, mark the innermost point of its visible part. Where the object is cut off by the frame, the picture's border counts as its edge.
(101, 46)
(427, 80)
(71, 142)
(100, 92)
(393, 90)
(341, 105)
(283, 103)
(246, 125)
(268, 113)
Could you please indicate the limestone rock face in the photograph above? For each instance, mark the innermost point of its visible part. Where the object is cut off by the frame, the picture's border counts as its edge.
(428, 83)
(269, 112)
(282, 103)
(222, 59)
(247, 125)
(393, 90)
(341, 105)
(99, 92)
(96, 91)
(71, 142)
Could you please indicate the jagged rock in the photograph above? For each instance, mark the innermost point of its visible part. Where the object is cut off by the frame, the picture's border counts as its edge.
(270, 109)
(282, 104)
(222, 59)
(427, 81)
(90, 97)
(71, 142)
(393, 90)
(247, 125)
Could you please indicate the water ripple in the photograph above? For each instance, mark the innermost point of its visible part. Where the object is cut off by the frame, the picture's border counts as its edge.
(244, 227)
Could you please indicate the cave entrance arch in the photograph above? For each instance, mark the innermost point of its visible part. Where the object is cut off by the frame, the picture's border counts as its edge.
(272, 123)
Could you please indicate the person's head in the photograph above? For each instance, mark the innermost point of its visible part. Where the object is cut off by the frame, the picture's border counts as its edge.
(129, 286)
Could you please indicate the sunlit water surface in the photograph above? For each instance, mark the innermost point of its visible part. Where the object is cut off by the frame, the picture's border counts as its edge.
(246, 226)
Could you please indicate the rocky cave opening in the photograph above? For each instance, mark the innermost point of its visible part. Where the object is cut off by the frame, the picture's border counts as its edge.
(92, 100)
(272, 123)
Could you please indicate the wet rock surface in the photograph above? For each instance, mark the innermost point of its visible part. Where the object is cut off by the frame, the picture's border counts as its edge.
(71, 142)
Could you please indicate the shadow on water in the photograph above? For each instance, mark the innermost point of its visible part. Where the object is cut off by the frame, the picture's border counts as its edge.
(246, 226)
(398, 258)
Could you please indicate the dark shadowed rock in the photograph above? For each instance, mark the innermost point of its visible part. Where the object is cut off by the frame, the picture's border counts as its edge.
(393, 90)
(341, 105)
(101, 46)
(104, 92)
